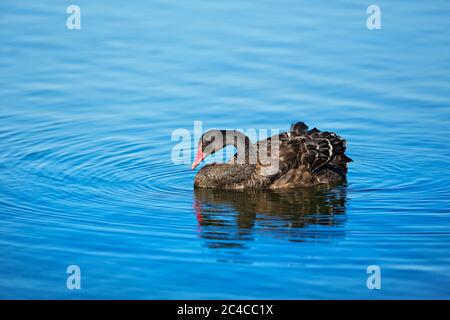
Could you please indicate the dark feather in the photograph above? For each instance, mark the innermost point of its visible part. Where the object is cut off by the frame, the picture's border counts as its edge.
(312, 148)
(315, 148)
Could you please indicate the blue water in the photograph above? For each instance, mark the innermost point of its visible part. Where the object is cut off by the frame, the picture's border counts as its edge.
(86, 175)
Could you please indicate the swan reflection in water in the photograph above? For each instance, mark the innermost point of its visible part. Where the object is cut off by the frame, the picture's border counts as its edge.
(231, 219)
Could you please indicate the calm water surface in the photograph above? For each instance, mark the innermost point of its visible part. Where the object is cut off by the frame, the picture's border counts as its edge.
(86, 176)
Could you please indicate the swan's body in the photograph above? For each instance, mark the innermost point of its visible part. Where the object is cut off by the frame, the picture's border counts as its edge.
(302, 158)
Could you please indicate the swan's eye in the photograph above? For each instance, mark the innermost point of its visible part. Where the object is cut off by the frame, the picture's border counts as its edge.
(207, 141)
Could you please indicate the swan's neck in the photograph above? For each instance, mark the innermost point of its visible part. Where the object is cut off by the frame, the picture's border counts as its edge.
(245, 151)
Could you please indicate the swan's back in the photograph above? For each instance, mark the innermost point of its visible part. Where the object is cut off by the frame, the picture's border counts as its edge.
(310, 157)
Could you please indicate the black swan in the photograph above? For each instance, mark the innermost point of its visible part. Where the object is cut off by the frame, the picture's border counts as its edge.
(297, 158)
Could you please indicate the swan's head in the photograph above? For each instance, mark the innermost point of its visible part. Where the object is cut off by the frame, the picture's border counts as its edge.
(209, 143)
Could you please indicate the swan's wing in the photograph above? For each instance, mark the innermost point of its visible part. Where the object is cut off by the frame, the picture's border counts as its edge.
(312, 148)
(283, 157)
(321, 148)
